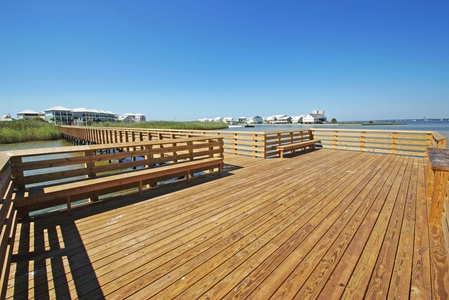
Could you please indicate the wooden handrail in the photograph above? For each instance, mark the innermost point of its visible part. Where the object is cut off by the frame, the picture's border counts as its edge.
(438, 140)
(396, 142)
(262, 144)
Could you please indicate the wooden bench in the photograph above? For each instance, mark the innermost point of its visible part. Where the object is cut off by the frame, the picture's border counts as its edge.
(294, 146)
(53, 194)
(437, 176)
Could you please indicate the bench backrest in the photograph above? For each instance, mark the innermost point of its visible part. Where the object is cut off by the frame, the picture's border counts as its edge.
(51, 165)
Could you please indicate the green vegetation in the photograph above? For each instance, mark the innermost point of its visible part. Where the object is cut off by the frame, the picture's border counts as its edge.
(194, 125)
(19, 131)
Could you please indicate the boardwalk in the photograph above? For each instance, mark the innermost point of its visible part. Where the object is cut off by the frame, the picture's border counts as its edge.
(325, 224)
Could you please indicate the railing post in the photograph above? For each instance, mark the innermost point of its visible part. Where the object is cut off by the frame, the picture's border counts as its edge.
(394, 143)
(362, 141)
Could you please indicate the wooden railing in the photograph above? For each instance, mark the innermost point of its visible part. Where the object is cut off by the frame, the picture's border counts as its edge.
(400, 142)
(261, 144)
(8, 221)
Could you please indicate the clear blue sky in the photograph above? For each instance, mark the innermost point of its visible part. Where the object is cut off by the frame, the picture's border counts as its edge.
(184, 60)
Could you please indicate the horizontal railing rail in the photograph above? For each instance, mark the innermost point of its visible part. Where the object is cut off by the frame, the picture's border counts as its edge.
(262, 144)
(400, 142)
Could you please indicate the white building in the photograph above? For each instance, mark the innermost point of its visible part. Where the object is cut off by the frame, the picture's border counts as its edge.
(85, 116)
(297, 119)
(316, 117)
(59, 114)
(255, 120)
(279, 119)
(229, 120)
(5, 118)
(242, 120)
(77, 116)
(29, 114)
(132, 118)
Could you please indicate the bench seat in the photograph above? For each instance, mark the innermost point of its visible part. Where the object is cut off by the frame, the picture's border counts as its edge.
(294, 146)
(91, 185)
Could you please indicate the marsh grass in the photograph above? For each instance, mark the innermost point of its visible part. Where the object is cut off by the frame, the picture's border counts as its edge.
(18, 131)
(193, 125)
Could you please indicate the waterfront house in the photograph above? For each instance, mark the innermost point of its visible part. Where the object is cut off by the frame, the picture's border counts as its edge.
(29, 114)
(229, 121)
(59, 114)
(132, 118)
(316, 117)
(255, 120)
(242, 120)
(279, 119)
(297, 119)
(5, 118)
(83, 116)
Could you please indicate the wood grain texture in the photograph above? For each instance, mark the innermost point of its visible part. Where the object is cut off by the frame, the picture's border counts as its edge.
(324, 225)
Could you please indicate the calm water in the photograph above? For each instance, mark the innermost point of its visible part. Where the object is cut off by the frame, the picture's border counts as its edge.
(34, 145)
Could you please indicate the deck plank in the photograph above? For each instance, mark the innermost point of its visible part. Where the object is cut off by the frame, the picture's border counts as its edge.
(341, 274)
(325, 224)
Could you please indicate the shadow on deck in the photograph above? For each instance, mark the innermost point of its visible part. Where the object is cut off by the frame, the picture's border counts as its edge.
(326, 224)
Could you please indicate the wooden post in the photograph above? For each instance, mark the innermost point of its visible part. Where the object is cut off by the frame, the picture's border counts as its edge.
(394, 143)
(362, 141)
(438, 196)
(334, 144)
(437, 182)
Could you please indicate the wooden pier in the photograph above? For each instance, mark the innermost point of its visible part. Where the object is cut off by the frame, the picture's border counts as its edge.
(325, 224)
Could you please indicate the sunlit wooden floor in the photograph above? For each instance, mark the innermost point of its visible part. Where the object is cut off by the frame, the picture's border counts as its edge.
(324, 224)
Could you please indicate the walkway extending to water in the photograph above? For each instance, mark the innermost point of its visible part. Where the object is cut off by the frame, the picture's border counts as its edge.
(325, 224)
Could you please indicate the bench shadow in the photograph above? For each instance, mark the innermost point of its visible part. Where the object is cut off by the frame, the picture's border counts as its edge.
(300, 152)
(51, 259)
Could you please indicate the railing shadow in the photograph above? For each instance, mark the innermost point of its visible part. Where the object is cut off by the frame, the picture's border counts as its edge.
(52, 262)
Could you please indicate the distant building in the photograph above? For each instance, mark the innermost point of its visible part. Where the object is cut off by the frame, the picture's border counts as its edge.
(229, 121)
(279, 119)
(297, 119)
(316, 117)
(29, 114)
(59, 114)
(84, 116)
(255, 120)
(132, 118)
(242, 120)
(5, 118)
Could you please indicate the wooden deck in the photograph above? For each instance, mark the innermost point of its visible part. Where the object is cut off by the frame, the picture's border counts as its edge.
(325, 224)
